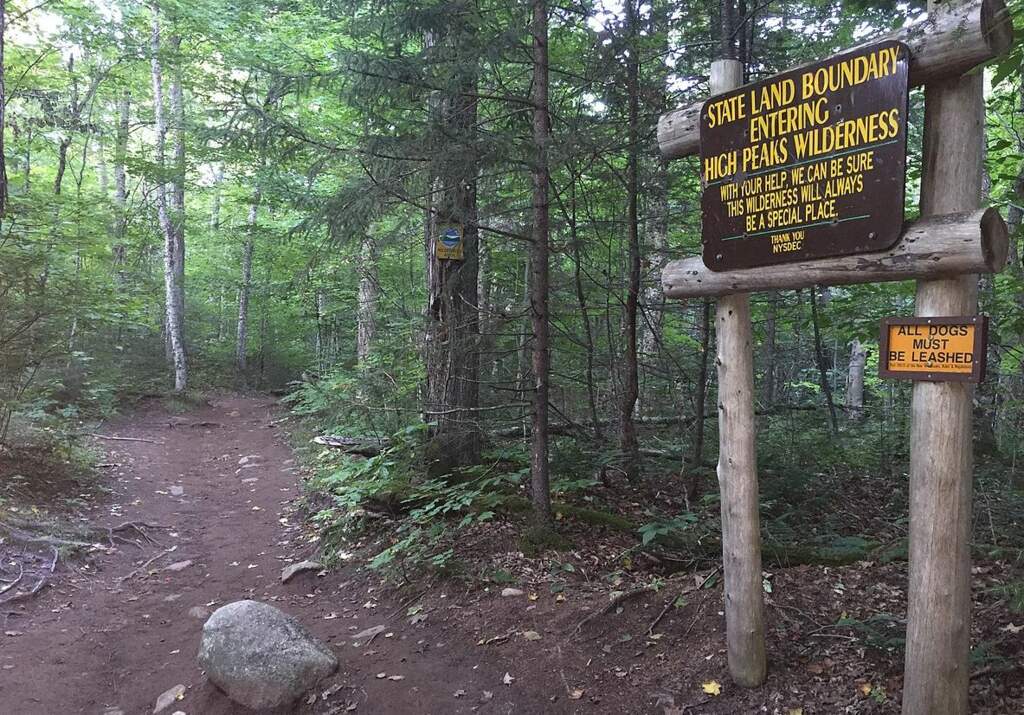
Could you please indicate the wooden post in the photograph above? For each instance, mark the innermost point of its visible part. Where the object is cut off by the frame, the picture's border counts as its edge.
(941, 455)
(737, 466)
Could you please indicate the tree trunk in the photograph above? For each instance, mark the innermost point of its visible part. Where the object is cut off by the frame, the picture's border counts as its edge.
(369, 295)
(771, 334)
(62, 163)
(3, 105)
(218, 180)
(581, 300)
(539, 484)
(631, 386)
(322, 334)
(178, 181)
(693, 485)
(245, 290)
(819, 359)
(855, 381)
(121, 184)
(656, 254)
(171, 256)
(453, 330)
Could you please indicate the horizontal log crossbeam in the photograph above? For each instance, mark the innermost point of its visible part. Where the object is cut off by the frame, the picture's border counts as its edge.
(937, 246)
(943, 46)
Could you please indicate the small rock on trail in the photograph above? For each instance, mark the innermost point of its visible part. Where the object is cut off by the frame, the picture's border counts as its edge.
(168, 698)
(260, 656)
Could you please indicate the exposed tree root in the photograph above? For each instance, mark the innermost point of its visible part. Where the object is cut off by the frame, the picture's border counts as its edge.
(611, 606)
(40, 584)
(685, 591)
(146, 565)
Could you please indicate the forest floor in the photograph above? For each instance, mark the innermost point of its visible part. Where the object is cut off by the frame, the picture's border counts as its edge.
(120, 626)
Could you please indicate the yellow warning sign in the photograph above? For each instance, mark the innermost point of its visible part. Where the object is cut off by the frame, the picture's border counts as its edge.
(933, 348)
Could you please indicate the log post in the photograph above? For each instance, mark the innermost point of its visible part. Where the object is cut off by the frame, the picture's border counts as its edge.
(941, 454)
(737, 466)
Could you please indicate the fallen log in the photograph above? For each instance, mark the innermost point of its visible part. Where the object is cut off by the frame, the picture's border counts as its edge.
(932, 247)
(363, 446)
(946, 44)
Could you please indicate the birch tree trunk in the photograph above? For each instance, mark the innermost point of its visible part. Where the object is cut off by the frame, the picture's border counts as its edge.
(855, 381)
(121, 184)
(218, 180)
(178, 182)
(245, 290)
(322, 335)
(368, 298)
(172, 258)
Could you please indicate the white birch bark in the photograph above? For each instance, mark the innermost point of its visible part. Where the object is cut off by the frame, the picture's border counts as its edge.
(241, 337)
(369, 296)
(171, 255)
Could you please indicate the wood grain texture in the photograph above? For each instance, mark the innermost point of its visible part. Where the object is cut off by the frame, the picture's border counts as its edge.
(737, 469)
(944, 46)
(935, 246)
(936, 673)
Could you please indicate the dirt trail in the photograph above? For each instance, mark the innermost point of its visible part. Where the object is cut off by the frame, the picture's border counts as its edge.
(222, 480)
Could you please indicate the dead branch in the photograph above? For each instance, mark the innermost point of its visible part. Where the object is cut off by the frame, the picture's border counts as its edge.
(146, 565)
(684, 592)
(611, 605)
(124, 439)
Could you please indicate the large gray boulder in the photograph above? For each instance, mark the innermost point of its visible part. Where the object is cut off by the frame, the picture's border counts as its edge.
(260, 656)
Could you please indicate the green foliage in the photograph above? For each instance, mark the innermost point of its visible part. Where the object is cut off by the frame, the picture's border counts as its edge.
(883, 631)
(654, 531)
(432, 511)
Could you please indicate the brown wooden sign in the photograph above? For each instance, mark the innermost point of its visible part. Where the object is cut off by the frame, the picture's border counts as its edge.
(809, 164)
(934, 349)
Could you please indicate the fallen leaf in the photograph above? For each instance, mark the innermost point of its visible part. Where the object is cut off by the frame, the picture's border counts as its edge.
(712, 687)
(865, 688)
(795, 711)
(531, 635)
